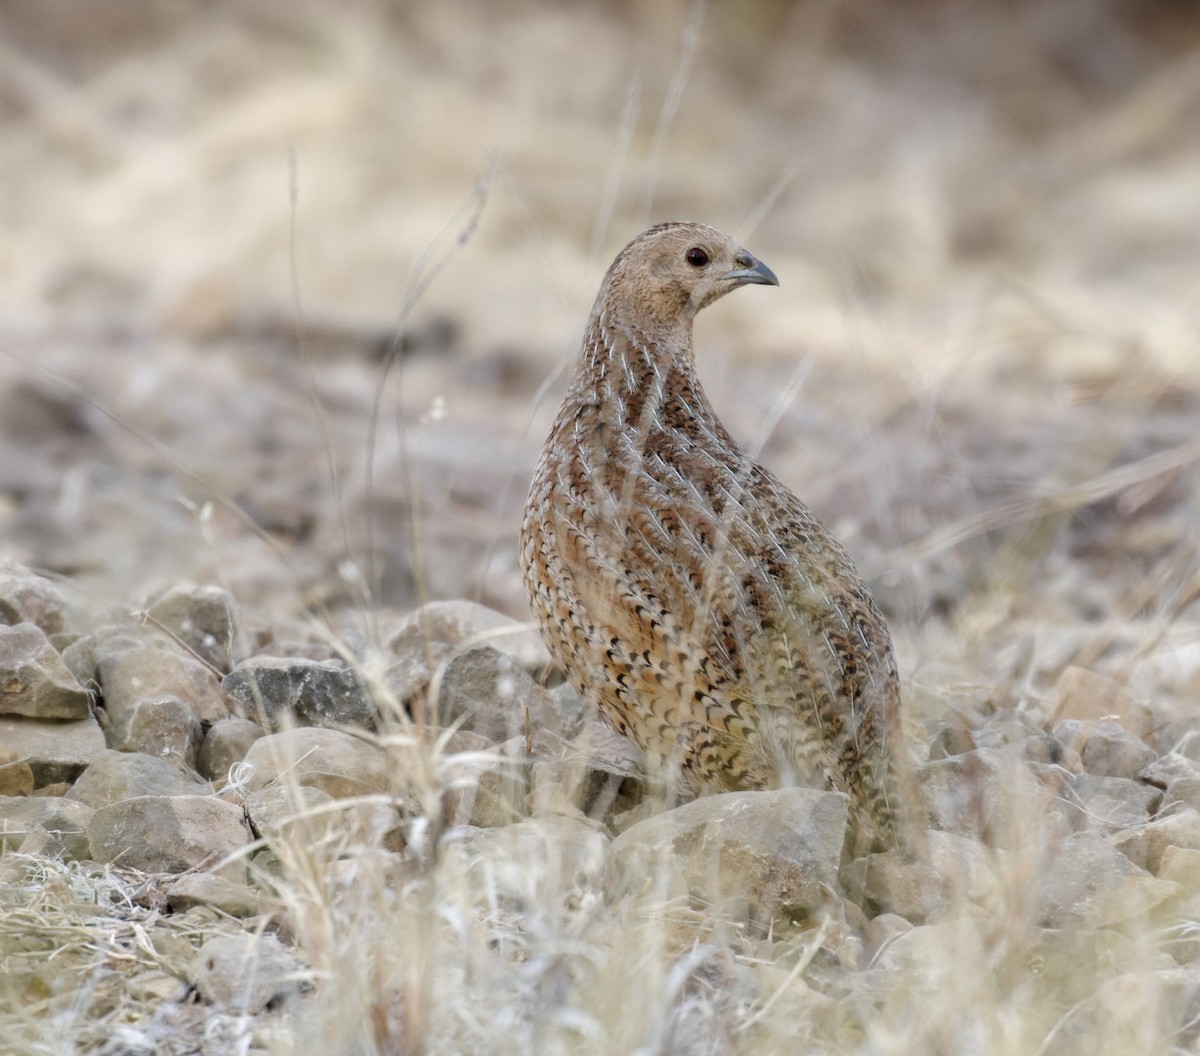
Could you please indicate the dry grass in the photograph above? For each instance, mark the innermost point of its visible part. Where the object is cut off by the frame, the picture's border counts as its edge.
(986, 342)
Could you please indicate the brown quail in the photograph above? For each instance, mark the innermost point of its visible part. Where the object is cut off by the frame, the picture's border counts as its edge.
(685, 592)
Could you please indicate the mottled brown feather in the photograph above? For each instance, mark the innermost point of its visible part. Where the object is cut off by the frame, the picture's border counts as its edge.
(685, 592)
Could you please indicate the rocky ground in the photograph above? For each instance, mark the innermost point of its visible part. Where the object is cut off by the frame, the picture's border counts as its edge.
(287, 290)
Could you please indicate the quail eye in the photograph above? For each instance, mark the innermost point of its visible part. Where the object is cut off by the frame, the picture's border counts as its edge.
(696, 257)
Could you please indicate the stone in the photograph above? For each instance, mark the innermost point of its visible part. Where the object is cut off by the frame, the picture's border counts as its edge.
(141, 672)
(22, 815)
(427, 637)
(990, 794)
(246, 973)
(204, 618)
(208, 889)
(1108, 803)
(34, 681)
(287, 812)
(26, 597)
(1106, 749)
(16, 776)
(1138, 1012)
(225, 745)
(764, 852)
(950, 871)
(487, 691)
(170, 834)
(1178, 777)
(1144, 845)
(282, 692)
(1088, 695)
(53, 751)
(1085, 881)
(116, 776)
(484, 788)
(556, 865)
(157, 726)
(330, 760)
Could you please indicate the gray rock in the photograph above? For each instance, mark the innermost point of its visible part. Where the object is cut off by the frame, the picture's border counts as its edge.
(484, 788)
(207, 889)
(157, 726)
(34, 681)
(950, 871)
(1085, 881)
(282, 692)
(990, 794)
(204, 618)
(428, 636)
(545, 865)
(141, 672)
(1178, 777)
(289, 812)
(170, 834)
(1107, 749)
(116, 776)
(26, 597)
(226, 743)
(1106, 803)
(22, 815)
(246, 973)
(53, 751)
(487, 691)
(1140, 1012)
(330, 760)
(764, 852)
(16, 776)
(1144, 845)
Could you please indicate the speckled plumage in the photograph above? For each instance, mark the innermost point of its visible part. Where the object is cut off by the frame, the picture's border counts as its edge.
(685, 592)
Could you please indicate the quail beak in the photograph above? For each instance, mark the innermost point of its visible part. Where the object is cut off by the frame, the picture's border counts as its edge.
(750, 270)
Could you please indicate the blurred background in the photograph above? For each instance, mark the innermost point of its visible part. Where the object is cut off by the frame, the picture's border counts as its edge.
(288, 290)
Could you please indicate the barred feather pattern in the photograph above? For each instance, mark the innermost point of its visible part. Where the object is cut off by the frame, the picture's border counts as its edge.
(685, 592)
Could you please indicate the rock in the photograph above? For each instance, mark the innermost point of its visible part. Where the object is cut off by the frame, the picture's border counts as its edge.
(22, 815)
(484, 788)
(1178, 777)
(1083, 694)
(765, 852)
(204, 618)
(1181, 865)
(245, 973)
(26, 597)
(951, 871)
(116, 776)
(330, 760)
(554, 865)
(988, 793)
(1144, 845)
(1140, 1012)
(170, 834)
(225, 744)
(1110, 803)
(207, 889)
(282, 692)
(1085, 881)
(53, 751)
(141, 672)
(16, 777)
(1107, 749)
(428, 636)
(283, 812)
(34, 681)
(598, 774)
(881, 931)
(487, 691)
(157, 726)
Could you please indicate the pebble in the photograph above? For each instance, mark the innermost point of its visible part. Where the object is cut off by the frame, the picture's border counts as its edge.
(158, 726)
(114, 776)
(141, 672)
(26, 597)
(335, 762)
(53, 751)
(22, 815)
(226, 744)
(204, 618)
